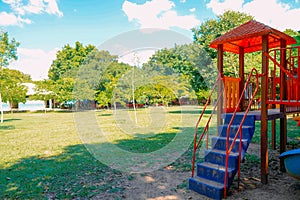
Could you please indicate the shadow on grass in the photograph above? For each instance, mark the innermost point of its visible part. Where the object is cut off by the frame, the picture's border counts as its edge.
(74, 173)
(105, 115)
(194, 112)
(11, 120)
(10, 127)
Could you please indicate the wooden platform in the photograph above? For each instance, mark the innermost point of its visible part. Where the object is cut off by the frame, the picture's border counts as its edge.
(272, 114)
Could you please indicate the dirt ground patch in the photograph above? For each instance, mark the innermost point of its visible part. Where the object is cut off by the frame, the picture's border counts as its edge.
(171, 183)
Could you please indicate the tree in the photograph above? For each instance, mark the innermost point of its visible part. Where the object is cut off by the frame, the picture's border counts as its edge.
(63, 72)
(8, 52)
(294, 34)
(150, 86)
(90, 80)
(68, 61)
(162, 89)
(94, 66)
(84, 73)
(11, 86)
(213, 28)
(190, 61)
(63, 89)
(109, 83)
(44, 90)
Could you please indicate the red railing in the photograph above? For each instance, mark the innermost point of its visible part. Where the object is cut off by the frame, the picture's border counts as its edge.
(239, 131)
(197, 143)
(293, 57)
(291, 73)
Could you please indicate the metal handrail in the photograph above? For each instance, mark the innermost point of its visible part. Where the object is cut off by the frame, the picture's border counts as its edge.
(196, 144)
(229, 149)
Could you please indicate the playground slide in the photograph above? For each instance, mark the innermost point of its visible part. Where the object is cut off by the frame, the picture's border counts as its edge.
(292, 162)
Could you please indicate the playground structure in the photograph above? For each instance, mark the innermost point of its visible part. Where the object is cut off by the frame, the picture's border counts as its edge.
(277, 87)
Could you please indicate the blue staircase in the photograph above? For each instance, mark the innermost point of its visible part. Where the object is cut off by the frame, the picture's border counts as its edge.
(209, 180)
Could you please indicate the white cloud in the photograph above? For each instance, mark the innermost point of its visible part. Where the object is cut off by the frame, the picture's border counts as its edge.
(182, 1)
(192, 9)
(34, 6)
(158, 14)
(52, 8)
(35, 62)
(219, 7)
(10, 19)
(21, 7)
(16, 6)
(271, 12)
(279, 15)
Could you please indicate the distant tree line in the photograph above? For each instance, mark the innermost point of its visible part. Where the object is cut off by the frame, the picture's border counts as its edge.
(86, 73)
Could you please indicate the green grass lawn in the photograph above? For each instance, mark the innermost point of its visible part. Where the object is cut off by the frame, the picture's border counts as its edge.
(42, 155)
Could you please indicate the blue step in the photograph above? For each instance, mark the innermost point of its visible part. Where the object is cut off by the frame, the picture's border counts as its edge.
(207, 187)
(247, 131)
(215, 172)
(211, 173)
(249, 121)
(219, 157)
(220, 144)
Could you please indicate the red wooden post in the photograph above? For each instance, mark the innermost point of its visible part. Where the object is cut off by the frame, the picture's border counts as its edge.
(298, 74)
(241, 74)
(264, 113)
(221, 83)
(283, 94)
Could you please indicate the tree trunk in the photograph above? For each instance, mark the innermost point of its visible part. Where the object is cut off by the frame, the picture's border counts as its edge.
(46, 102)
(14, 105)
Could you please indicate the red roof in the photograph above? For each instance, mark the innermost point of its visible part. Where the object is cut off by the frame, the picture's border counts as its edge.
(248, 36)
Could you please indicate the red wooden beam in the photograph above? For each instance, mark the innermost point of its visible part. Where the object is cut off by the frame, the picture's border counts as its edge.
(221, 84)
(264, 113)
(283, 94)
(241, 74)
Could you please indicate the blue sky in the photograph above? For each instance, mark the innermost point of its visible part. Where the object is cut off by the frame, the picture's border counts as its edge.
(45, 26)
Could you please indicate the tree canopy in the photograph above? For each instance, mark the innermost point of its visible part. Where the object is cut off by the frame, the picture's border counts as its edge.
(83, 72)
(8, 49)
(109, 83)
(68, 60)
(11, 86)
(213, 28)
(8, 52)
(63, 72)
(190, 61)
